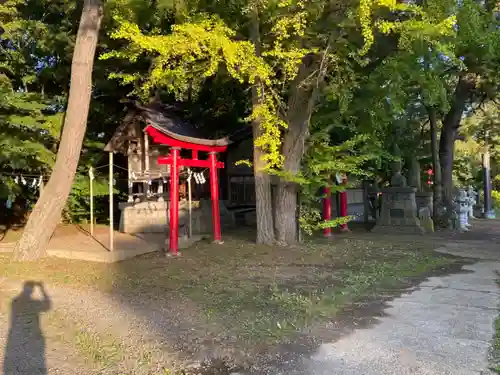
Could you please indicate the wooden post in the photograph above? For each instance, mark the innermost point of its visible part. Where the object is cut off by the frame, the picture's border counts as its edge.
(214, 190)
(174, 203)
(111, 213)
(190, 208)
(91, 177)
(129, 177)
(40, 187)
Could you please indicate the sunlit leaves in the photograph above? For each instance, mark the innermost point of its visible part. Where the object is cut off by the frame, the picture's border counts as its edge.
(193, 52)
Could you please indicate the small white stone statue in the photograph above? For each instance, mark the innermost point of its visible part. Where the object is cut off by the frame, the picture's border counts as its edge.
(472, 201)
(463, 210)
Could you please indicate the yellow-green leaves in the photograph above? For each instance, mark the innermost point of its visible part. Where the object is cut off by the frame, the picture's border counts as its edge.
(424, 23)
(365, 20)
(271, 125)
(191, 53)
(195, 51)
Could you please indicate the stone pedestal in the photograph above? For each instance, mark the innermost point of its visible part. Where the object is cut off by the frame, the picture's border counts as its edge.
(153, 216)
(143, 217)
(425, 199)
(398, 212)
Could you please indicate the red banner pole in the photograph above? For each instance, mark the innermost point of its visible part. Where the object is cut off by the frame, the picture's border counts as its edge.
(174, 202)
(214, 190)
(327, 210)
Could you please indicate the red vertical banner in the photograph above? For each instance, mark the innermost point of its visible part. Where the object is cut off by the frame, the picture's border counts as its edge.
(174, 202)
(214, 192)
(327, 210)
(343, 204)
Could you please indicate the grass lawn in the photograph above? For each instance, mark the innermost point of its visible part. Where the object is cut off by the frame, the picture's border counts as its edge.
(257, 294)
(496, 348)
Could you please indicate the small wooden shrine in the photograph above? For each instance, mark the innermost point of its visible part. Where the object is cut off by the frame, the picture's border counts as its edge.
(159, 146)
(144, 171)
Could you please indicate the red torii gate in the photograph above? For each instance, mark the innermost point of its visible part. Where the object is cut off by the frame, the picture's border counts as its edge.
(176, 143)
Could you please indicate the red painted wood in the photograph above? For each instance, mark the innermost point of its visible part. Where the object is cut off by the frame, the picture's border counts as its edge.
(327, 210)
(175, 162)
(174, 202)
(159, 137)
(214, 190)
(189, 162)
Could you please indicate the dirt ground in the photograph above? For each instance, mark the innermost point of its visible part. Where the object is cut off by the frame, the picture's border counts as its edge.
(62, 231)
(235, 305)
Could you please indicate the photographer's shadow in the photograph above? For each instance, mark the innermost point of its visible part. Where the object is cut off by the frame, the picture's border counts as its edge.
(25, 349)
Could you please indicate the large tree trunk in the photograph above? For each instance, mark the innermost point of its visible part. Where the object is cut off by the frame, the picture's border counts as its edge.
(300, 105)
(47, 212)
(436, 168)
(263, 197)
(449, 132)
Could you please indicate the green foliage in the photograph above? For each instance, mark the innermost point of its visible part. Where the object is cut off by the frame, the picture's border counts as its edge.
(36, 47)
(183, 60)
(480, 129)
(321, 164)
(495, 199)
(78, 205)
(29, 122)
(467, 164)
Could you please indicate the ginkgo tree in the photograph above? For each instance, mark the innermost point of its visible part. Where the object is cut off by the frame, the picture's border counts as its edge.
(286, 51)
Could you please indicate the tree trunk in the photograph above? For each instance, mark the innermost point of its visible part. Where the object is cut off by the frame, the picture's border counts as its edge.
(436, 168)
(300, 105)
(263, 197)
(47, 212)
(449, 132)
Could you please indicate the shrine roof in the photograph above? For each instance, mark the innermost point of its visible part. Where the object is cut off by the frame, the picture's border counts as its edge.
(164, 119)
(168, 121)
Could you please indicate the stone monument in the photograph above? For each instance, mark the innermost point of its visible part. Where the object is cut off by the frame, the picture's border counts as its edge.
(398, 212)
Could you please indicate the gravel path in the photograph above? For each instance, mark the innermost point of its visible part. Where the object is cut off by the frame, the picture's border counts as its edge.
(445, 327)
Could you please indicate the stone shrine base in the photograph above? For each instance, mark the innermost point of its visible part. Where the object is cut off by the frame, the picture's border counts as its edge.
(398, 212)
(151, 217)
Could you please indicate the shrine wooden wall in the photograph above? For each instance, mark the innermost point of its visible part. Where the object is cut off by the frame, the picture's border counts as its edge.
(240, 184)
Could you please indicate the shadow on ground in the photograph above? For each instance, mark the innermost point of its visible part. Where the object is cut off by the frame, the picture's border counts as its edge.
(25, 348)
